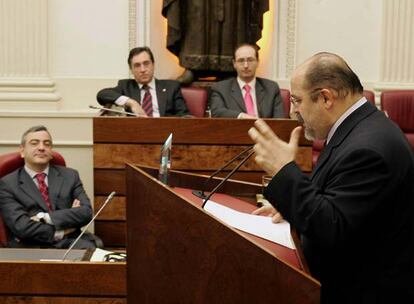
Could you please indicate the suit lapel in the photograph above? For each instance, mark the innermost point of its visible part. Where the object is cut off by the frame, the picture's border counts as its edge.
(260, 95)
(237, 95)
(135, 91)
(29, 187)
(342, 132)
(55, 182)
(162, 91)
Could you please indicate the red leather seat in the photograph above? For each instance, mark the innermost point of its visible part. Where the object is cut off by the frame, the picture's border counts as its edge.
(318, 145)
(285, 94)
(399, 106)
(196, 99)
(10, 162)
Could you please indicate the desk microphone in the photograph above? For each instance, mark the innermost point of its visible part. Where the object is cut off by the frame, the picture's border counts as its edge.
(201, 193)
(115, 111)
(227, 177)
(108, 199)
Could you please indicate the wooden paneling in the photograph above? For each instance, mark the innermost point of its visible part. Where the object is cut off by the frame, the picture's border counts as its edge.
(59, 300)
(200, 145)
(115, 210)
(185, 131)
(184, 157)
(112, 233)
(30, 280)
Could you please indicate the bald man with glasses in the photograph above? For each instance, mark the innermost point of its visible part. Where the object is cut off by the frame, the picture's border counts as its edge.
(246, 96)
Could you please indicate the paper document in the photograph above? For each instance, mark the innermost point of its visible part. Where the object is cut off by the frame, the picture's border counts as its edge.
(99, 255)
(261, 226)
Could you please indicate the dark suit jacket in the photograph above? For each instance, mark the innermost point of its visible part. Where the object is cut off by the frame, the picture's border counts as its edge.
(20, 199)
(355, 213)
(170, 100)
(226, 99)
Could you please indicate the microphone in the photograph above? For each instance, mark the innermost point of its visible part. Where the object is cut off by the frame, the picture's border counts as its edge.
(115, 111)
(108, 199)
(227, 177)
(200, 193)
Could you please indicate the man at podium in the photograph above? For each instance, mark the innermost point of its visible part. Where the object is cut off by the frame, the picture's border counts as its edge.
(355, 213)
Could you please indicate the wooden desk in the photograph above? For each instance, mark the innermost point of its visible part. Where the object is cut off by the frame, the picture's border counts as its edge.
(200, 145)
(36, 282)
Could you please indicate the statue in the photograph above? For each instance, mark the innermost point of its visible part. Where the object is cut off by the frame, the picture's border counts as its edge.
(204, 33)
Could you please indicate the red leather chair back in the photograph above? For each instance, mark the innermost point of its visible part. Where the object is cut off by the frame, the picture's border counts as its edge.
(285, 94)
(10, 162)
(399, 105)
(370, 96)
(196, 99)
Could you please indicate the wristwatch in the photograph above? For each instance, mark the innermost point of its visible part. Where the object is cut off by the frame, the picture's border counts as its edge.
(41, 217)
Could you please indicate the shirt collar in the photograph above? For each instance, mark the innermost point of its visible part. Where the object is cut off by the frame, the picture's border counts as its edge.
(33, 173)
(348, 112)
(151, 84)
(241, 83)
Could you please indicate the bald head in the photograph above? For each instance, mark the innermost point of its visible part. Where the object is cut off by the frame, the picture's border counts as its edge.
(327, 70)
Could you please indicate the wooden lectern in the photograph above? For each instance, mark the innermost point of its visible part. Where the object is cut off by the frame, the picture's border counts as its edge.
(178, 253)
(200, 145)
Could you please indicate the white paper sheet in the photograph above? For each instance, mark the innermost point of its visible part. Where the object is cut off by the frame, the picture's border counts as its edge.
(99, 255)
(261, 226)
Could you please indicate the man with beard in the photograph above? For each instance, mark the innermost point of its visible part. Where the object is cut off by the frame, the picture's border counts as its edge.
(355, 213)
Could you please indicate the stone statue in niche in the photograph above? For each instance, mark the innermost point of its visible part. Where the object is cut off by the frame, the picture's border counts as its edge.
(204, 33)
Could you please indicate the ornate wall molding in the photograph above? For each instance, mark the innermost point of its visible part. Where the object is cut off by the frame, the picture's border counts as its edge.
(139, 22)
(290, 37)
(24, 53)
(132, 21)
(397, 51)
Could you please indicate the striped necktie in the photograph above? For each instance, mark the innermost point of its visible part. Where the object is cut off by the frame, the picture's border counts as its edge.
(44, 191)
(147, 100)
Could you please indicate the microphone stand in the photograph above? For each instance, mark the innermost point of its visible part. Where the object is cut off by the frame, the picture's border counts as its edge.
(201, 193)
(226, 178)
(115, 111)
(109, 198)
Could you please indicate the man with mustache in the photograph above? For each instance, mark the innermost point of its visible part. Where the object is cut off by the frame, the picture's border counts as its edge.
(355, 212)
(44, 205)
(144, 95)
(246, 96)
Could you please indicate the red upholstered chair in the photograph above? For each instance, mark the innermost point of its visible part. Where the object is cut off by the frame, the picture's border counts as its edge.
(10, 162)
(370, 96)
(318, 145)
(399, 106)
(196, 99)
(285, 94)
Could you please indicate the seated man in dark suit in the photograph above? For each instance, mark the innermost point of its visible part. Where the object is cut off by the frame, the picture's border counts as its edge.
(246, 96)
(44, 205)
(144, 95)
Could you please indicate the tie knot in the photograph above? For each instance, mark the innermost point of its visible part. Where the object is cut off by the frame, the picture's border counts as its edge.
(247, 88)
(40, 177)
(145, 87)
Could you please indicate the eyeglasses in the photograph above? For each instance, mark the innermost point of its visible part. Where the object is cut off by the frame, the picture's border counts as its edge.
(242, 61)
(296, 102)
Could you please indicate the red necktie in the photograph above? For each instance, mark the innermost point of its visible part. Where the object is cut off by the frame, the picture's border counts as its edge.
(43, 189)
(147, 101)
(248, 101)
